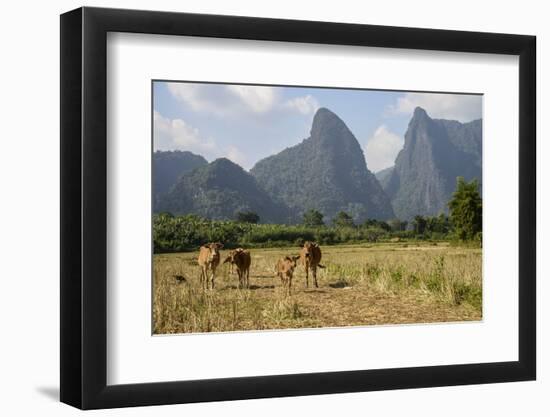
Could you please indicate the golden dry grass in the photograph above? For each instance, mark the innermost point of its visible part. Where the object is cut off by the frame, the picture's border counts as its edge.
(362, 285)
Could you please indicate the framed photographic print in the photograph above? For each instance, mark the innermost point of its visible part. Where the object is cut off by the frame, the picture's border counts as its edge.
(256, 208)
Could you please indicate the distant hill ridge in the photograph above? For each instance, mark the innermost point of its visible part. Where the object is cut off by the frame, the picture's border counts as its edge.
(327, 172)
(169, 166)
(218, 191)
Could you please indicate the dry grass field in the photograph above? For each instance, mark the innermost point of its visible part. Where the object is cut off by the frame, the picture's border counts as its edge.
(371, 284)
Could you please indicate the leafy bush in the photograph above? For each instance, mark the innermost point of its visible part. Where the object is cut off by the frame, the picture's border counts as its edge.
(186, 233)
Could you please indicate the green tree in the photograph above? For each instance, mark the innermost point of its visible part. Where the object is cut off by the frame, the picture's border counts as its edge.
(397, 225)
(343, 219)
(466, 209)
(313, 218)
(438, 224)
(419, 225)
(247, 217)
(373, 223)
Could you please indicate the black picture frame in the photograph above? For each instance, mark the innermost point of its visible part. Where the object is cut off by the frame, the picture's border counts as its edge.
(84, 207)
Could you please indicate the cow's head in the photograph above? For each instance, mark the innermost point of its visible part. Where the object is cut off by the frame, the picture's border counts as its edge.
(231, 257)
(291, 261)
(214, 249)
(308, 248)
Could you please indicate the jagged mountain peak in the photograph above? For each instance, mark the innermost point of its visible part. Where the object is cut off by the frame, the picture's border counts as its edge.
(436, 151)
(326, 172)
(224, 164)
(419, 112)
(420, 119)
(328, 129)
(324, 118)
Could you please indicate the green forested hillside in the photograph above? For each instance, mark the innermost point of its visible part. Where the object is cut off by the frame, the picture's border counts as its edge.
(221, 190)
(168, 166)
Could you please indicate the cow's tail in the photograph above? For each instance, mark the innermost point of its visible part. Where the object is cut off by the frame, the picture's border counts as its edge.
(321, 266)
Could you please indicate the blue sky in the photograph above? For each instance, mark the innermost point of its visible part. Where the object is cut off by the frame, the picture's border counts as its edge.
(248, 123)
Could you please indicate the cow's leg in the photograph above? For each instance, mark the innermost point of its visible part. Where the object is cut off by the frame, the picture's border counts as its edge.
(289, 285)
(213, 276)
(314, 271)
(248, 278)
(202, 277)
(240, 274)
(307, 275)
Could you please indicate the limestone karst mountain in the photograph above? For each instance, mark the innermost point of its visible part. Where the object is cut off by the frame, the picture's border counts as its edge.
(435, 153)
(168, 166)
(326, 172)
(218, 191)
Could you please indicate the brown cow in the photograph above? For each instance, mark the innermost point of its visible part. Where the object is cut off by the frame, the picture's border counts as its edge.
(310, 258)
(240, 258)
(209, 259)
(285, 270)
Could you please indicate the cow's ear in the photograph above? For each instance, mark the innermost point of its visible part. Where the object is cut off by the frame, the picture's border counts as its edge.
(219, 245)
(295, 257)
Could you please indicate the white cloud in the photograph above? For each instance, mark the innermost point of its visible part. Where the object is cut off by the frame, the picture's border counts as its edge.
(176, 134)
(256, 99)
(463, 108)
(304, 104)
(231, 100)
(226, 99)
(382, 149)
(192, 94)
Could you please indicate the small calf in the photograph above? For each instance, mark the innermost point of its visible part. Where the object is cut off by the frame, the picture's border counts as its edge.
(285, 270)
(241, 258)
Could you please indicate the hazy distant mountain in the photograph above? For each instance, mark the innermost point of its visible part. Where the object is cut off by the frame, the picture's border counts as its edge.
(218, 191)
(168, 166)
(326, 172)
(383, 176)
(435, 153)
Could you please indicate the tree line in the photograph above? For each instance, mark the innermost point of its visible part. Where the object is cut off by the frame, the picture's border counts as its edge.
(183, 233)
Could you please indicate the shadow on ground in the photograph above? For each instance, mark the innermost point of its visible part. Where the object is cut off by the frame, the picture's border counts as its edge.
(50, 392)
